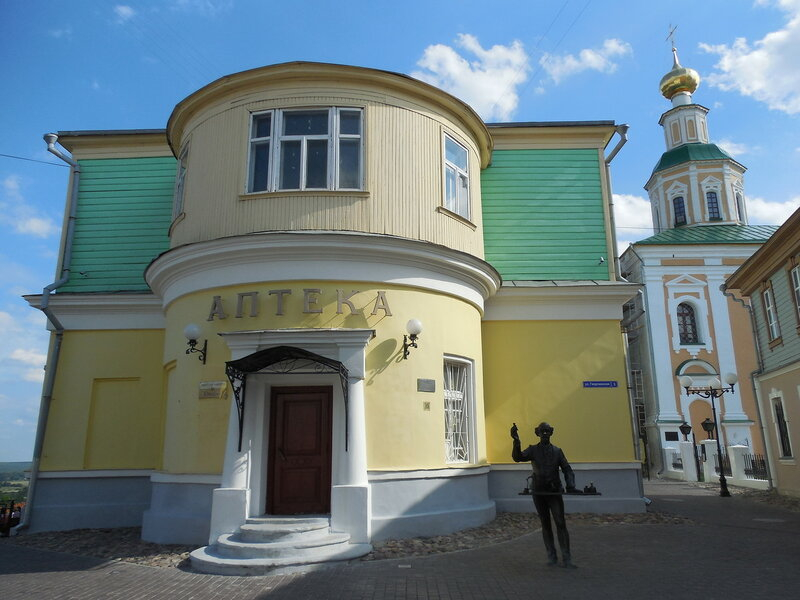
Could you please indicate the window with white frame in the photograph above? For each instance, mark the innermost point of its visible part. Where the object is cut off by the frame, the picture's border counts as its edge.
(456, 177)
(679, 210)
(782, 428)
(794, 274)
(771, 313)
(306, 149)
(687, 324)
(180, 184)
(458, 410)
(712, 202)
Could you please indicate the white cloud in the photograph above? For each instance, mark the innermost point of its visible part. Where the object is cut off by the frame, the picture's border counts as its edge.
(762, 212)
(30, 357)
(734, 148)
(17, 213)
(766, 70)
(203, 7)
(124, 13)
(632, 218)
(63, 32)
(488, 82)
(588, 59)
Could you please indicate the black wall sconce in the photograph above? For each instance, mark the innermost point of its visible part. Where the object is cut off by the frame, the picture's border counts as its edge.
(414, 328)
(192, 332)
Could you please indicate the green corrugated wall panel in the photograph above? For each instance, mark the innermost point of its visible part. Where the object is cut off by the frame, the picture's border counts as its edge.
(543, 214)
(123, 217)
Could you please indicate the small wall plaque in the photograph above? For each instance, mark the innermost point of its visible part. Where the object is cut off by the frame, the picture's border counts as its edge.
(212, 390)
(426, 385)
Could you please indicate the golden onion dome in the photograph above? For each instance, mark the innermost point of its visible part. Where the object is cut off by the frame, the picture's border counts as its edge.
(679, 79)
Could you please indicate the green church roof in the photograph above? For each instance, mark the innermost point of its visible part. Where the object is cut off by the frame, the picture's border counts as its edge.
(712, 234)
(689, 152)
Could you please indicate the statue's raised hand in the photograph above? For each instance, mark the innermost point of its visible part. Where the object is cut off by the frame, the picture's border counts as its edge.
(514, 433)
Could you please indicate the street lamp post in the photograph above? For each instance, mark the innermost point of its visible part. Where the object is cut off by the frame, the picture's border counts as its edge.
(713, 391)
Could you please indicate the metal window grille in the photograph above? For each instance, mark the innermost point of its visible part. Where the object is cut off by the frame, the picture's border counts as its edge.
(457, 417)
(687, 324)
(726, 464)
(783, 429)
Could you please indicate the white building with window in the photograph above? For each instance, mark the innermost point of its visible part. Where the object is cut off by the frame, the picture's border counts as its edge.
(372, 292)
(683, 324)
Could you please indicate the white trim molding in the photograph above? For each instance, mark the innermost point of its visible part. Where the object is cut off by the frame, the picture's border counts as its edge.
(562, 300)
(104, 311)
(321, 256)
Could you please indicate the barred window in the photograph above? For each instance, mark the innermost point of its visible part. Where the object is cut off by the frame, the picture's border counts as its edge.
(783, 429)
(687, 324)
(458, 411)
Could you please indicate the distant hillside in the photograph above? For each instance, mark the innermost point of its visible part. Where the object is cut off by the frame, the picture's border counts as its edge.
(13, 467)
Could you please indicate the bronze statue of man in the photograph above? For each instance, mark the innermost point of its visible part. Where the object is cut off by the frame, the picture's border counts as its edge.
(547, 490)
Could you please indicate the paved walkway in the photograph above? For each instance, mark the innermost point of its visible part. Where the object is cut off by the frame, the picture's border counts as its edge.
(736, 548)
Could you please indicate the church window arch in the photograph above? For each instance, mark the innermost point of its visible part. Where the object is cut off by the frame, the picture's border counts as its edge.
(687, 324)
(679, 210)
(712, 204)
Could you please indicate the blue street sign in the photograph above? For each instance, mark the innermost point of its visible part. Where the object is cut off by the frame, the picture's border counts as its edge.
(600, 384)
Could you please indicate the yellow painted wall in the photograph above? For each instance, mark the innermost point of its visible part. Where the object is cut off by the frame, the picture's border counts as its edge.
(534, 371)
(787, 474)
(401, 434)
(107, 402)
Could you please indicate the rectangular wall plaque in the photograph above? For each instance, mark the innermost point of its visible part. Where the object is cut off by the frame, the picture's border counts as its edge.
(212, 389)
(600, 384)
(426, 385)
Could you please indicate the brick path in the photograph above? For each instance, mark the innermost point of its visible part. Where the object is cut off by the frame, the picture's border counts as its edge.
(736, 548)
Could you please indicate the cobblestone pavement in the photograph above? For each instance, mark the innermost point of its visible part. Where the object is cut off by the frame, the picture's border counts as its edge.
(734, 548)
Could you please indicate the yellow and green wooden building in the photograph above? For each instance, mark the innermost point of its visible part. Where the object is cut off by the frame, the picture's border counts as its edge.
(298, 216)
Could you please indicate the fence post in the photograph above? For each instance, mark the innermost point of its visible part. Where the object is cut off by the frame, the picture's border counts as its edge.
(708, 466)
(736, 454)
(689, 465)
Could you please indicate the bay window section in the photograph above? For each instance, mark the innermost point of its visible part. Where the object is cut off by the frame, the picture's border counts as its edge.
(313, 149)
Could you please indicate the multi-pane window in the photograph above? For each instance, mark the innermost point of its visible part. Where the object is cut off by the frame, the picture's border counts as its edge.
(712, 202)
(771, 314)
(783, 429)
(795, 277)
(456, 178)
(310, 149)
(739, 207)
(687, 324)
(457, 411)
(679, 209)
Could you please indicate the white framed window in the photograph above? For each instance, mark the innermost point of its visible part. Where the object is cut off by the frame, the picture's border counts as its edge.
(180, 184)
(771, 314)
(712, 204)
(306, 149)
(459, 410)
(794, 275)
(781, 428)
(456, 178)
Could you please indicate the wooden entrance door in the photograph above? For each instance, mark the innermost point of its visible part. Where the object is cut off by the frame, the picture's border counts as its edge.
(299, 477)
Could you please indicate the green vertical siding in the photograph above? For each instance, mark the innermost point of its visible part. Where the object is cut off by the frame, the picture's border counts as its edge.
(543, 215)
(123, 217)
(789, 350)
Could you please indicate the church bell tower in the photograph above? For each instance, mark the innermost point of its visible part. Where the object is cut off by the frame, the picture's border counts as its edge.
(695, 182)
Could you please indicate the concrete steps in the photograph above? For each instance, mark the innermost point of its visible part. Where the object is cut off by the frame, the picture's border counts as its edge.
(277, 545)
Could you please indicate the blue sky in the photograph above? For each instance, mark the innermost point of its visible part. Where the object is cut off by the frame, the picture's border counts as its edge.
(106, 65)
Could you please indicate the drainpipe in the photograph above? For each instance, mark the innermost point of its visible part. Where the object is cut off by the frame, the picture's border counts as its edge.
(622, 131)
(756, 392)
(58, 329)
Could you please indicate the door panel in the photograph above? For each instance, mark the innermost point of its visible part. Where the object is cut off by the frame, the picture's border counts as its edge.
(300, 451)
